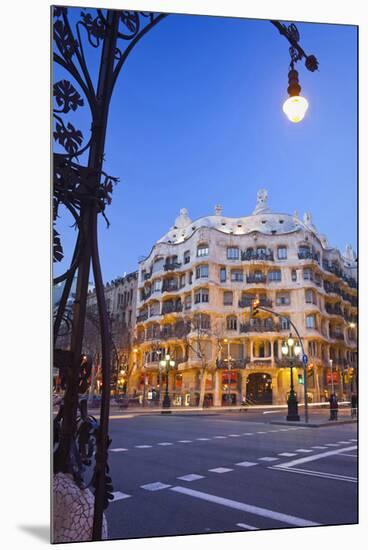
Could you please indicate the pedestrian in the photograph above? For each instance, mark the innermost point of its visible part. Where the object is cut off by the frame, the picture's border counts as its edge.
(354, 405)
(333, 406)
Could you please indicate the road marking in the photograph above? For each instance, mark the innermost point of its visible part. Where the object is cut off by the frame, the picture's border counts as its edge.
(303, 451)
(142, 446)
(315, 457)
(243, 507)
(118, 450)
(344, 442)
(221, 470)
(286, 429)
(245, 526)
(352, 456)
(353, 440)
(165, 444)
(247, 433)
(332, 444)
(118, 495)
(156, 486)
(246, 464)
(185, 441)
(190, 477)
(287, 454)
(235, 435)
(319, 447)
(313, 473)
(268, 458)
(220, 437)
(203, 438)
(261, 432)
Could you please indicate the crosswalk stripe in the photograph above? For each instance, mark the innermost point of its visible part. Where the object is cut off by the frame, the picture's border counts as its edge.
(243, 507)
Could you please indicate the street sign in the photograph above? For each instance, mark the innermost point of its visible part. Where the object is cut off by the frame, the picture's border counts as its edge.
(305, 359)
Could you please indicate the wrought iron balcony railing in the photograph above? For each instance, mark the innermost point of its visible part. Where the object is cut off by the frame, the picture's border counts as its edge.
(247, 302)
(333, 309)
(171, 308)
(336, 335)
(167, 286)
(307, 255)
(263, 256)
(232, 364)
(256, 278)
(142, 317)
(266, 325)
(172, 266)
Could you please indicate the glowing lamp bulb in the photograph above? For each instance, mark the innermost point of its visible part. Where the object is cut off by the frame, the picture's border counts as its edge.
(295, 108)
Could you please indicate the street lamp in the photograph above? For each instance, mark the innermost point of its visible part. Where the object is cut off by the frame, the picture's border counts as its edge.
(332, 381)
(167, 363)
(291, 349)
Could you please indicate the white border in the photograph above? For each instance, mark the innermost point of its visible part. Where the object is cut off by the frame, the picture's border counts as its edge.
(24, 392)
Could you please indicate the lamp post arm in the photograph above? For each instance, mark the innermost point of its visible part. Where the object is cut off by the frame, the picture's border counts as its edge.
(289, 321)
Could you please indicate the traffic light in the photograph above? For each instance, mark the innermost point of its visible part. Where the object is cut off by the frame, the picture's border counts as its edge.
(254, 307)
(300, 379)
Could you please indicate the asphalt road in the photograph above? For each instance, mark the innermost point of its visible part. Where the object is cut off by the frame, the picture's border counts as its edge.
(191, 474)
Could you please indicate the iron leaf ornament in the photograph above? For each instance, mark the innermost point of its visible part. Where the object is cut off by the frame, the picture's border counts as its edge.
(67, 97)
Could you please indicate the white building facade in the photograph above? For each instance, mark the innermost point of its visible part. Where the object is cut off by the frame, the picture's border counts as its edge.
(195, 290)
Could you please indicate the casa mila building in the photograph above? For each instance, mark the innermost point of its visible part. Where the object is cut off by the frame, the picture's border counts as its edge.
(195, 291)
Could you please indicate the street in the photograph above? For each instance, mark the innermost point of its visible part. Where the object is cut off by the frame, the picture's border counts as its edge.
(212, 473)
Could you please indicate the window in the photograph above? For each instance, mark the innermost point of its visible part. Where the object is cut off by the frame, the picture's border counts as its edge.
(158, 265)
(187, 257)
(190, 277)
(228, 298)
(310, 297)
(317, 279)
(187, 302)
(312, 348)
(283, 298)
(307, 274)
(232, 253)
(201, 295)
(282, 253)
(130, 317)
(223, 274)
(202, 250)
(285, 323)
(311, 321)
(157, 285)
(202, 321)
(236, 275)
(293, 275)
(232, 323)
(202, 271)
(182, 281)
(274, 275)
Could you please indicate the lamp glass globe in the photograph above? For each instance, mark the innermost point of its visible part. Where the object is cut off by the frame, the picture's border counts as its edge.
(295, 108)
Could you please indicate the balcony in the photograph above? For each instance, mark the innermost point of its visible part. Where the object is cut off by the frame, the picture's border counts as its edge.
(332, 269)
(258, 325)
(172, 266)
(333, 309)
(336, 335)
(146, 295)
(247, 302)
(256, 279)
(234, 363)
(261, 256)
(142, 317)
(329, 288)
(147, 275)
(169, 307)
(307, 255)
(168, 286)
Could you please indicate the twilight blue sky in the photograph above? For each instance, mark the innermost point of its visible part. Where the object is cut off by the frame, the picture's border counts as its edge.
(196, 119)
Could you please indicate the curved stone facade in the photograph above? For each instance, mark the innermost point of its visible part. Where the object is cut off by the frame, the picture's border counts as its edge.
(194, 295)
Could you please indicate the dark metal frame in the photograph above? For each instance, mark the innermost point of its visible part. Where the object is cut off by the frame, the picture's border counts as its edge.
(85, 191)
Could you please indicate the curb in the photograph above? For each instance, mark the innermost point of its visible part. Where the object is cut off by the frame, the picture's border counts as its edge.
(311, 425)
